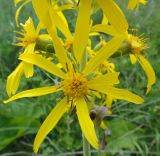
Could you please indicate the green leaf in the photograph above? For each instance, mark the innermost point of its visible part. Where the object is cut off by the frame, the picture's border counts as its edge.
(124, 135)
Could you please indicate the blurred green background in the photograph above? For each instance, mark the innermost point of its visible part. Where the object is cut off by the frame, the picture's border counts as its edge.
(134, 130)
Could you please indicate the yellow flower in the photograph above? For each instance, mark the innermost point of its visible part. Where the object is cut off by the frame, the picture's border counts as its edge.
(28, 38)
(137, 47)
(135, 3)
(75, 83)
(75, 86)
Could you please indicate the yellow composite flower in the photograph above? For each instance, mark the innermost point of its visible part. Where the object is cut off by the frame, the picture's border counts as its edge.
(135, 3)
(137, 47)
(27, 40)
(75, 83)
(75, 86)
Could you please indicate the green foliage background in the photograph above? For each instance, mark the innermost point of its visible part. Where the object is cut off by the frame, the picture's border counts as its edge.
(134, 130)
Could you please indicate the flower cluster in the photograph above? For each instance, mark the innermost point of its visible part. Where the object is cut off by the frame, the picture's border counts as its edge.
(83, 68)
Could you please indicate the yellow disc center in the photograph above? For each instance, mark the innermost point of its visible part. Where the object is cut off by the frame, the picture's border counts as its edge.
(75, 85)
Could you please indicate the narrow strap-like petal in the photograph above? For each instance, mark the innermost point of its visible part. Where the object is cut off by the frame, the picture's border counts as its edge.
(43, 10)
(133, 58)
(147, 67)
(28, 69)
(50, 122)
(82, 28)
(13, 80)
(19, 9)
(114, 15)
(86, 123)
(104, 53)
(121, 94)
(105, 80)
(107, 29)
(43, 63)
(61, 23)
(34, 93)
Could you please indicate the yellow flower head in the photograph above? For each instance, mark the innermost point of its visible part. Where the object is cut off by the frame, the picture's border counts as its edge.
(75, 85)
(27, 40)
(75, 82)
(137, 47)
(28, 34)
(137, 44)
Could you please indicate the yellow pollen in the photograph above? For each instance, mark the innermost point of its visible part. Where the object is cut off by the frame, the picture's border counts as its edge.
(75, 85)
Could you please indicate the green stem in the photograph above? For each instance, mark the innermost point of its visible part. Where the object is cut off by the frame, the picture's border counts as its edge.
(86, 147)
(47, 46)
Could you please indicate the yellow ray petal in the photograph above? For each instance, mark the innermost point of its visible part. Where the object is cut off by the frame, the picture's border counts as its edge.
(133, 58)
(34, 93)
(105, 80)
(82, 28)
(43, 63)
(119, 94)
(114, 15)
(30, 48)
(147, 67)
(50, 122)
(104, 53)
(107, 29)
(104, 19)
(28, 69)
(13, 80)
(19, 9)
(61, 23)
(86, 123)
(43, 10)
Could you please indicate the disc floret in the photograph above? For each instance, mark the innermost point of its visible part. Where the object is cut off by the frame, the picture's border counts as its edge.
(75, 85)
(137, 44)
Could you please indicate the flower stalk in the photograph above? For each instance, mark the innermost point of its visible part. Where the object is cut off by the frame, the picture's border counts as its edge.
(86, 147)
